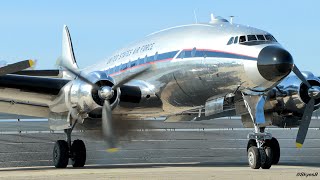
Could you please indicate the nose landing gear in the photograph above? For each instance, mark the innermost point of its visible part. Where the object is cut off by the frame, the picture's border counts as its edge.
(263, 150)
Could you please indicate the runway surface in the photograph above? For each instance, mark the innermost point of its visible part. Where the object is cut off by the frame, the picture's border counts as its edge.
(187, 149)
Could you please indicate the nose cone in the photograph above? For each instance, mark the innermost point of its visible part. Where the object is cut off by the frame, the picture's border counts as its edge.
(274, 63)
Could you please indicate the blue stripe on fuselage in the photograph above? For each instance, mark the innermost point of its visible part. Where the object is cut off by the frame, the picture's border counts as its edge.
(184, 54)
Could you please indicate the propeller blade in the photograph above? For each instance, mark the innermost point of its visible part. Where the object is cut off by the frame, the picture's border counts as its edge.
(82, 78)
(300, 76)
(107, 128)
(129, 78)
(15, 67)
(305, 122)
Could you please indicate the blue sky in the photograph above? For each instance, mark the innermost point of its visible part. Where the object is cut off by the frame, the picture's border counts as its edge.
(32, 29)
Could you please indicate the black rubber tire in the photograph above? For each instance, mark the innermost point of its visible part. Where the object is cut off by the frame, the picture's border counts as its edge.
(60, 154)
(251, 142)
(275, 146)
(78, 153)
(254, 158)
(269, 157)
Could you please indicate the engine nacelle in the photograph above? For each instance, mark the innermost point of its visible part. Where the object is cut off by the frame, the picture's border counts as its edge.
(289, 101)
(86, 98)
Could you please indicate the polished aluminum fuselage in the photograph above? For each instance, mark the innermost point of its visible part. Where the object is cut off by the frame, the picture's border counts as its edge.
(181, 84)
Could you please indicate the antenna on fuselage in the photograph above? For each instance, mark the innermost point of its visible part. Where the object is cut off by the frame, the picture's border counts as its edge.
(231, 19)
(212, 17)
(195, 16)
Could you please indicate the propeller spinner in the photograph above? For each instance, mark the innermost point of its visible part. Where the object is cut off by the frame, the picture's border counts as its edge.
(106, 93)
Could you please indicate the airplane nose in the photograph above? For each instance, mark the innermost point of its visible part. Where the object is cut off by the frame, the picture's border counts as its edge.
(274, 63)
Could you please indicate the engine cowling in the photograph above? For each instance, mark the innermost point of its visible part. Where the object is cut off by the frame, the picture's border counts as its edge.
(86, 98)
(288, 103)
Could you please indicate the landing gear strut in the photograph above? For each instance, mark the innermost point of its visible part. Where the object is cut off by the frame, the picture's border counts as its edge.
(263, 150)
(63, 150)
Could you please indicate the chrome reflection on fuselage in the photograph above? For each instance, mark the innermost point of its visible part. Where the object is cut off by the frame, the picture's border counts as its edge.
(198, 63)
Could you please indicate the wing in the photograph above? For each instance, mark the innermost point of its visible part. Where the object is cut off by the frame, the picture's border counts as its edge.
(28, 95)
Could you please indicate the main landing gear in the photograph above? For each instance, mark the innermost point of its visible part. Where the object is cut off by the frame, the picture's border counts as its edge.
(263, 149)
(65, 150)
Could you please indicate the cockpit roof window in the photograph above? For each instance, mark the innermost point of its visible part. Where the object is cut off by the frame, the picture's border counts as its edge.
(242, 39)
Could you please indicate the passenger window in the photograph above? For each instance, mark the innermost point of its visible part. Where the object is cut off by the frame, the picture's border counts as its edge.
(242, 39)
(261, 37)
(230, 41)
(235, 40)
(252, 38)
(193, 52)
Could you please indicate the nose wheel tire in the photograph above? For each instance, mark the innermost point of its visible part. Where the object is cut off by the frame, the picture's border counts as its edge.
(61, 154)
(260, 157)
(78, 153)
(254, 158)
(268, 158)
(275, 147)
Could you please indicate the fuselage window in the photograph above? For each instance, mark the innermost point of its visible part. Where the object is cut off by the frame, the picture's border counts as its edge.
(230, 41)
(261, 37)
(235, 40)
(252, 38)
(193, 52)
(242, 39)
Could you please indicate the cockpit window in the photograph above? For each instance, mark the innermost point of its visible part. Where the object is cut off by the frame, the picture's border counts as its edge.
(242, 39)
(269, 37)
(235, 40)
(261, 37)
(252, 38)
(230, 41)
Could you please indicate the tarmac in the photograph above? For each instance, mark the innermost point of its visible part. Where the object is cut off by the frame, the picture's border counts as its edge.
(214, 149)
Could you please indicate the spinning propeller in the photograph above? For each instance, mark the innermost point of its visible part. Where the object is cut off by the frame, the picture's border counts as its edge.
(314, 93)
(106, 93)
